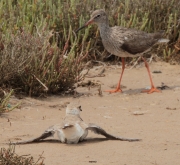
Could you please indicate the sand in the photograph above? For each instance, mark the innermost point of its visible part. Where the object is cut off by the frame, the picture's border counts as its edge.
(155, 118)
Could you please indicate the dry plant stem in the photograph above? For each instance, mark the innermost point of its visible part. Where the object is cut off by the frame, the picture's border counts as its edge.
(66, 44)
(177, 47)
(100, 90)
(81, 59)
(40, 157)
(150, 60)
(9, 156)
(46, 88)
(136, 62)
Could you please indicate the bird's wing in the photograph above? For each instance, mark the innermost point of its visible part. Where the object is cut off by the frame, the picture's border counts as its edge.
(134, 41)
(98, 130)
(47, 133)
(139, 41)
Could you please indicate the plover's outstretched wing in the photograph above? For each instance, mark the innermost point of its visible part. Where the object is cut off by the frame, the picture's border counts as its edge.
(47, 133)
(98, 130)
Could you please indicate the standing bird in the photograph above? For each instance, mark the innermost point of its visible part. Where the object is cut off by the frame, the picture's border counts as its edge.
(124, 42)
(73, 129)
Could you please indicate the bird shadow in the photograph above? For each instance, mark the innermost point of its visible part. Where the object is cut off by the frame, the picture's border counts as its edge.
(93, 140)
(55, 141)
(85, 141)
(139, 90)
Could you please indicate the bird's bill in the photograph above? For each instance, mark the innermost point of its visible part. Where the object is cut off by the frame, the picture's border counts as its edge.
(80, 108)
(86, 24)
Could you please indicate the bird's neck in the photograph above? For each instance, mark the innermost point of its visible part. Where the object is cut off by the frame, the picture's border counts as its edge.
(104, 28)
(72, 112)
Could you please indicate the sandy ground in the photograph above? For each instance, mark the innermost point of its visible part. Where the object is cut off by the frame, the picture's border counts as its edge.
(157, 122)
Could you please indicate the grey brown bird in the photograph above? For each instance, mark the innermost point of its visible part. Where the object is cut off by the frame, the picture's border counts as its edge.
(73, 129)
(124, 42)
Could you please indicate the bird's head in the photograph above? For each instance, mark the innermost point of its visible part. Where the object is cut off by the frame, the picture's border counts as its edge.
(73, 108)
(97, 17)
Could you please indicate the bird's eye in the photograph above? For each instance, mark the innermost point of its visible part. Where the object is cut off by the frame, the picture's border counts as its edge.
(98, 15)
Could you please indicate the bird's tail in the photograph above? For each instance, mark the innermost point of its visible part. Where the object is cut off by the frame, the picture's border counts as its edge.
(159, 36)
(163, 40)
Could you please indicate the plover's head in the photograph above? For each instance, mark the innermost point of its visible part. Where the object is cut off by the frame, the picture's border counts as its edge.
(73, 108)
(97, 17)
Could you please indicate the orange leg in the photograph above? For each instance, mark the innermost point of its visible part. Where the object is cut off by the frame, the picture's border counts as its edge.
(118, 88)
(153, 89)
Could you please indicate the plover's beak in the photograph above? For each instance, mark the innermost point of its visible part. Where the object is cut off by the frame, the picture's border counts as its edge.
(86, 24)
(80, 108)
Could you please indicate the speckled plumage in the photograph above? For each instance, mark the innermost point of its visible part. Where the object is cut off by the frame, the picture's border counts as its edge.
(121, 41)
(124, 42)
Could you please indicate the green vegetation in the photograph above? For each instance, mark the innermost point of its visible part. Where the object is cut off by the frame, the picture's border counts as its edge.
(40, 53)
(5, 105)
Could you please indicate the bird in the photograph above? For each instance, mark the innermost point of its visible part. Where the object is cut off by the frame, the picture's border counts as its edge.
(73, 129)
(125, 42)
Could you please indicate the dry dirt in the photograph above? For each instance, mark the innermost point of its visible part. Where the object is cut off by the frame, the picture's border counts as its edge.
(155, 118)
